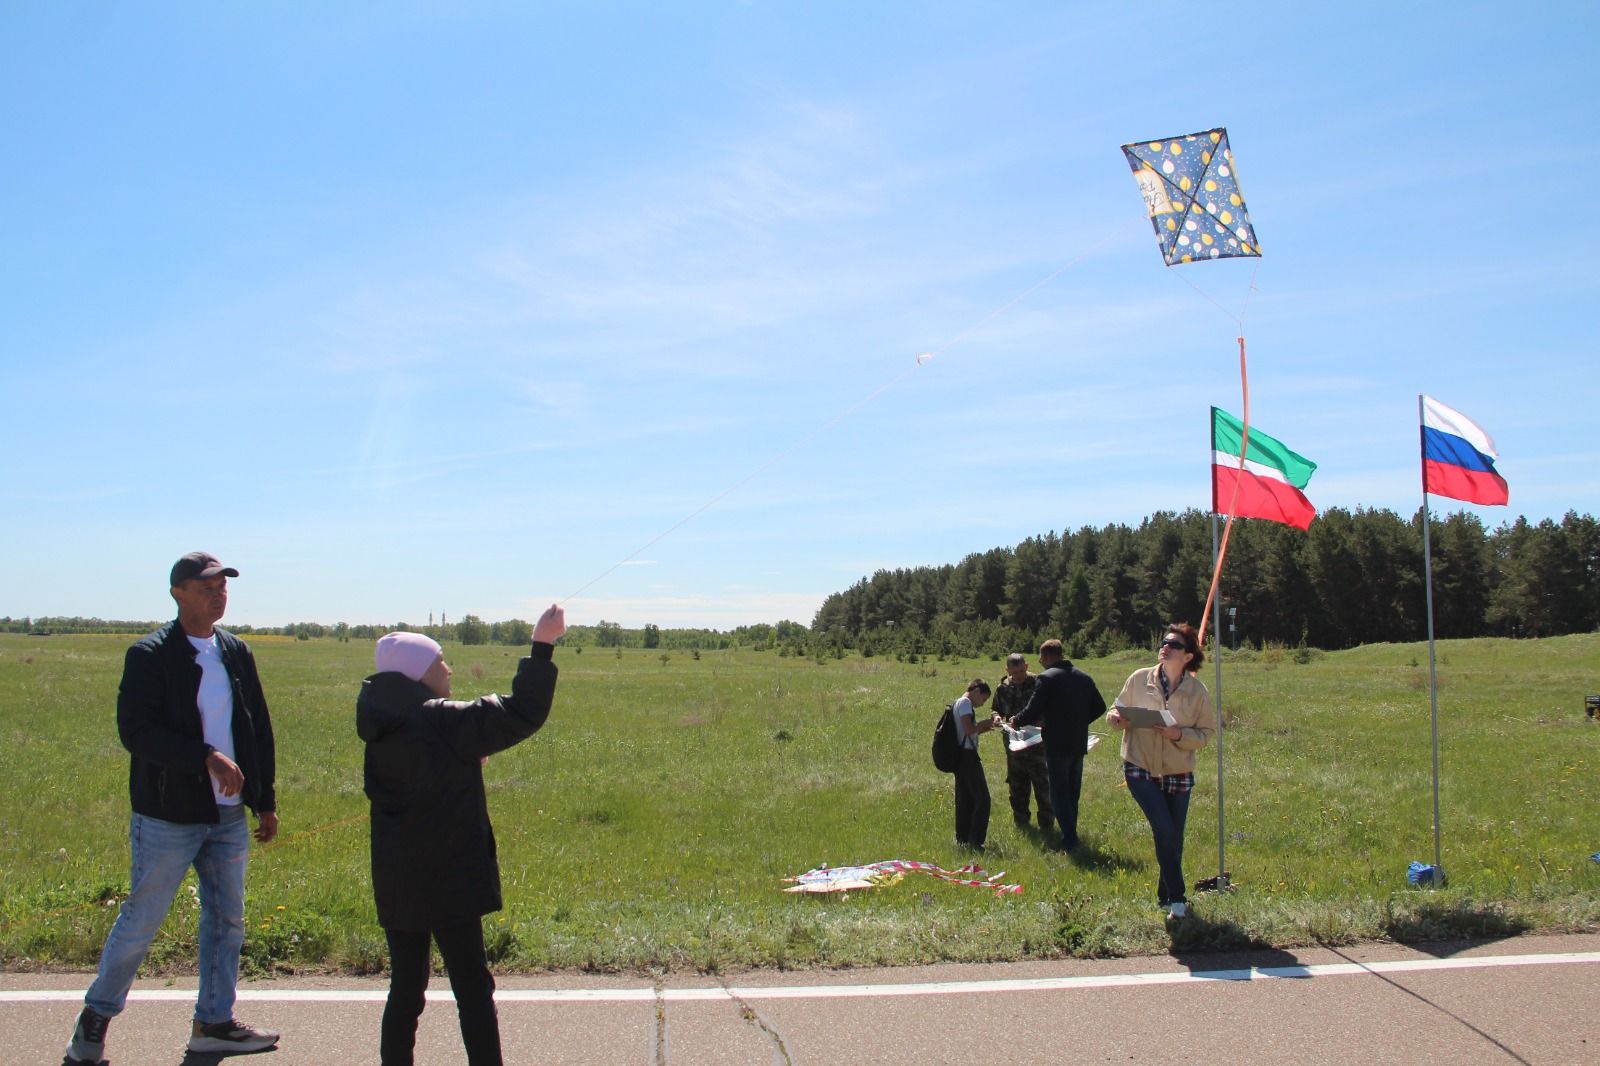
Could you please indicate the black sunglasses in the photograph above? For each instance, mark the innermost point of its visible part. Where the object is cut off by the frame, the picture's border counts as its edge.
(1170, 643)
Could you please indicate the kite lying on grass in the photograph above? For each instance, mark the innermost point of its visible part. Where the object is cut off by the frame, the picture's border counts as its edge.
(890, 871)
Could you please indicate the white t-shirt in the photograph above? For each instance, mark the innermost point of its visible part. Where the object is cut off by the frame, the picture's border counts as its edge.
(963, 708)
(216, 704)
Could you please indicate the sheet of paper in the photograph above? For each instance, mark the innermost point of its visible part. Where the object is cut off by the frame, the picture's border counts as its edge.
(1028, 736)
(1145, 717)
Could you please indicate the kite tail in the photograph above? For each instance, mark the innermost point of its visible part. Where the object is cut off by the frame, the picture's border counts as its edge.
(1233, 502)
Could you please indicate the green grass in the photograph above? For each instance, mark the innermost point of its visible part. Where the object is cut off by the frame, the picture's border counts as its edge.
(649, 826)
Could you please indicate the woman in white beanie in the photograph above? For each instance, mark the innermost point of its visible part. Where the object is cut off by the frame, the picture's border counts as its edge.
(434, 871)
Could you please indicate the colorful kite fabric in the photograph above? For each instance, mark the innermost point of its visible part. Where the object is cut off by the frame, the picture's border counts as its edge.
(1191, 190)
(1458, 457)
(1270, 483)
(890, 871)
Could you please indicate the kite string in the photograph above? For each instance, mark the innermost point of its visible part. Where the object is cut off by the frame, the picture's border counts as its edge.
(1233, 502)
(954, 340)
(1236, 319)
(1248, 293)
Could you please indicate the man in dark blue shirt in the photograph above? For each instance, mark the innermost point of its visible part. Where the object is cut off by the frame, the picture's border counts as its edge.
(1063, 704)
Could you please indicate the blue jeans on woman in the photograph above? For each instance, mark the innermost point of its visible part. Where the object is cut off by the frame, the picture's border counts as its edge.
(1166, 812)
(162, 854)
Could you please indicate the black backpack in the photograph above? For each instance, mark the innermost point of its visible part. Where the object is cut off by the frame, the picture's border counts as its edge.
(946, 741)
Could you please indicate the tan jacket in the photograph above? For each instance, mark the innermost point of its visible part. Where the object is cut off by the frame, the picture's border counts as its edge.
(1191, 711)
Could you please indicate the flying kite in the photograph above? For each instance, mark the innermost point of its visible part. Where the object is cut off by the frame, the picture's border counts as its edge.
(1191, 190)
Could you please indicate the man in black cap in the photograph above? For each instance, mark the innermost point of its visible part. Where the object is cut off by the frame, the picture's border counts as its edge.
(191, 712)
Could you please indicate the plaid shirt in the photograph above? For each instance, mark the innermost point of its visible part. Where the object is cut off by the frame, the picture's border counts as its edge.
(1172, 783)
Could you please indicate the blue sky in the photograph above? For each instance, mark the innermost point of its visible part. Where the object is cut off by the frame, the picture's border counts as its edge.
(458, 306)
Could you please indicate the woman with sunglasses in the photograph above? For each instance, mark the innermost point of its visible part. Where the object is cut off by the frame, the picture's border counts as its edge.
(1158, 760)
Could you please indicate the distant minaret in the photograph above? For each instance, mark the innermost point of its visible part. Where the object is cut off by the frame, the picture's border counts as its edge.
(443, 620)
(430, 618)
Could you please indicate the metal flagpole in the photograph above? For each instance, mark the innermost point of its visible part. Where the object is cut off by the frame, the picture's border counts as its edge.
(1433, 676)
(1216, 649)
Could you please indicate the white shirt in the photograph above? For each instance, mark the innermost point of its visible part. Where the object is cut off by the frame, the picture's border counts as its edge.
(963, 708)
(216, 705)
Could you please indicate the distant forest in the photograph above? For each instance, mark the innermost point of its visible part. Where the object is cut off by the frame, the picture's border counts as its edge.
(1352, 578)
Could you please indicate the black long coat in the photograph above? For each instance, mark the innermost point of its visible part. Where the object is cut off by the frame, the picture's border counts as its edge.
(433, 853)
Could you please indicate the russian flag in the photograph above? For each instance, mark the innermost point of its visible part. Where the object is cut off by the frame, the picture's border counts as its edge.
(1458, 457)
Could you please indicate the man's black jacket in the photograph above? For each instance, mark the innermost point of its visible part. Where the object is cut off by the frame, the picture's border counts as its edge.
(1064, 702)
(158, 719)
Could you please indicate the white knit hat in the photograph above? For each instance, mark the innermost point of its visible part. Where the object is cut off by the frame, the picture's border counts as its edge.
(411, 654)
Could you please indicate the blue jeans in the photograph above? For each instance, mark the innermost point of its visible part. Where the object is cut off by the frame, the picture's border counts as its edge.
(162, 854)
(1066, 781)
(1166, 812)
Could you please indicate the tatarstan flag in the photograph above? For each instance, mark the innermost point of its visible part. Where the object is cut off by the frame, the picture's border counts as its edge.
(1270, 483)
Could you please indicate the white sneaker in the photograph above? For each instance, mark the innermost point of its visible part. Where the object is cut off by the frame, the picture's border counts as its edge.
(1176, 911)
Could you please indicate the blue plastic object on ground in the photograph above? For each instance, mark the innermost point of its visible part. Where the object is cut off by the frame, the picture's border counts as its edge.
(1419, 873)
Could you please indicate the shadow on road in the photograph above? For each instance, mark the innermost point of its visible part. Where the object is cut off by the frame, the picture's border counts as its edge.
(1452, 1015)
(212, 1058)
(1206, 945)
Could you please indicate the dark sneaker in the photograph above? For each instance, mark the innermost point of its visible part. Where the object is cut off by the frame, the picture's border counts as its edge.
(231, 1037)
(88, 1039)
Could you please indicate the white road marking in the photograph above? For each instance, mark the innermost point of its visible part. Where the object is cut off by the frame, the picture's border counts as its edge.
(932, 988)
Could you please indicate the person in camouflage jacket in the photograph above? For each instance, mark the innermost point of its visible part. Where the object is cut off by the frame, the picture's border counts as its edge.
(1025, 770)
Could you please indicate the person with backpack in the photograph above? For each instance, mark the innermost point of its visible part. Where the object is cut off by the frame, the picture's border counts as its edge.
(972, 787)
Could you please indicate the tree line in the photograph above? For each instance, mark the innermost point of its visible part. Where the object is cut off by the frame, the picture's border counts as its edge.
(469, 630)
(1355, 577)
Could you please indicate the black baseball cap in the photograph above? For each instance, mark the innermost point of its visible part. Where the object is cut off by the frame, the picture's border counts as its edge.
(199, 564)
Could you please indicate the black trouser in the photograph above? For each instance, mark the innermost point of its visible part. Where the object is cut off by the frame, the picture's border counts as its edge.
(461, 947)
(972, 800)
(1066, 782)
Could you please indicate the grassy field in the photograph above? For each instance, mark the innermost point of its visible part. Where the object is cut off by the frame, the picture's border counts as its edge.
(649, 826)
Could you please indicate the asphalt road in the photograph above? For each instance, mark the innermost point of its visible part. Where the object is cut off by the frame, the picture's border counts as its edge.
(1532, 1000)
